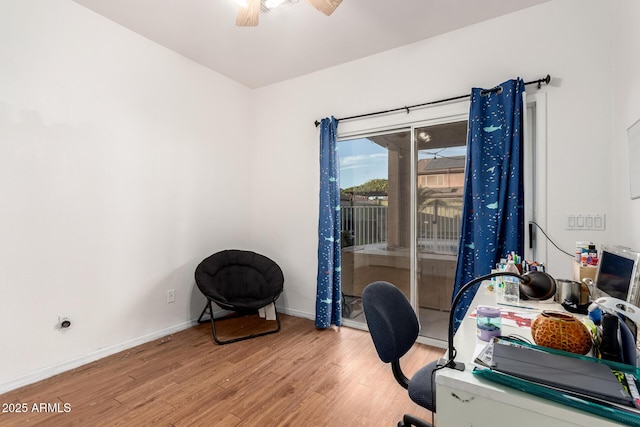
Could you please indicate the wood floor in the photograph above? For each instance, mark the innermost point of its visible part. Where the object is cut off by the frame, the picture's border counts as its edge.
(300, 376)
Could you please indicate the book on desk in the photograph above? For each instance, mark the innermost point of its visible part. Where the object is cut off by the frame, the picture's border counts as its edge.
(594, 385)
(571, 374)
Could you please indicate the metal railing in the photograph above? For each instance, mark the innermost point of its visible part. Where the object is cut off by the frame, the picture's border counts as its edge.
(363, 225)
(367, 225)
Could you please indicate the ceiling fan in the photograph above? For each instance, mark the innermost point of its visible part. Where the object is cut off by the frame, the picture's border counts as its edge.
(249, 10)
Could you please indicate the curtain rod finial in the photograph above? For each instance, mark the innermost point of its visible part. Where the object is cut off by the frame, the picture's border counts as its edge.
(546, 81)
(317, 123)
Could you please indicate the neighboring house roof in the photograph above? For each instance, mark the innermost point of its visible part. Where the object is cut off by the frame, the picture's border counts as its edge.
(439, 164)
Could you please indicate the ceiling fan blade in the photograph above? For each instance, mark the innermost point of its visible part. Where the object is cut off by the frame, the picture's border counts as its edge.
(325, 6)
(248, 15)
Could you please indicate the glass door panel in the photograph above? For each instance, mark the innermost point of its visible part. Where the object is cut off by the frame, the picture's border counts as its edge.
(441, 157)
(375, 203)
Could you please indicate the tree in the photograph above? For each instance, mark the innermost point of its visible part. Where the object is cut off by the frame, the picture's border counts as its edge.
(377, 187)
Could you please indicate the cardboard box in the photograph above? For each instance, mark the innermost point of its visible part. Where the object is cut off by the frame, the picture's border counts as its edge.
(583, 271)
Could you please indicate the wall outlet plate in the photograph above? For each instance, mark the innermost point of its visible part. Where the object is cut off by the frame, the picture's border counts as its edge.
(171, 296)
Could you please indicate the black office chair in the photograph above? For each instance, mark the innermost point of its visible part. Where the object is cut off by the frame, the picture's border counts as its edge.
(394, 329)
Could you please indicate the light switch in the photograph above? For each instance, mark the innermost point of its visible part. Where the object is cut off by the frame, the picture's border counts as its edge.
(597, 222)
(588, 221)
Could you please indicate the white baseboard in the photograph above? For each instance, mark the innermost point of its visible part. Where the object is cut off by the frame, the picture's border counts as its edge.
(50, 371)
(296, 313)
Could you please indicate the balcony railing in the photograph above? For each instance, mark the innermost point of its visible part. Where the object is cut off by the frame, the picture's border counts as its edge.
(367, 225)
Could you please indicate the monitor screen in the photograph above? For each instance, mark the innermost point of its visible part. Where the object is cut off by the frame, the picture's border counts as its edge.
(617, 271)
(615, 275)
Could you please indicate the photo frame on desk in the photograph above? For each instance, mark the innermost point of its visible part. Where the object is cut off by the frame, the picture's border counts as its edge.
(633, 135)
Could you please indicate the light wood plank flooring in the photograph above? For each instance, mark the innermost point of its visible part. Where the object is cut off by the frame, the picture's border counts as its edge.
(300, 376)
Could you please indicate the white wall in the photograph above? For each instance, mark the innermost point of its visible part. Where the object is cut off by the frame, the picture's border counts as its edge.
(569, 39)
(122, 165)
(626, 87)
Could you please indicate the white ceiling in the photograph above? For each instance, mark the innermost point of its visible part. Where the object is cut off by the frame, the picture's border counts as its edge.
(296, 39)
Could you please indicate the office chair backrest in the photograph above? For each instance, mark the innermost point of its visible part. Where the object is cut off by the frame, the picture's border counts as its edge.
(393, 324)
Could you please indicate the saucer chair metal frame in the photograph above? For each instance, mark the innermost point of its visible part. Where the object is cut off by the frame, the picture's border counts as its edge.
(239, 281)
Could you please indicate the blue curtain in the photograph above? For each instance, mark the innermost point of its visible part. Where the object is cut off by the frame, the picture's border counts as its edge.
(493, 206)
(329, 291)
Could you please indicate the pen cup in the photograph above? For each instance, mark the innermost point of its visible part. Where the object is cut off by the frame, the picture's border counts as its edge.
(489, 322)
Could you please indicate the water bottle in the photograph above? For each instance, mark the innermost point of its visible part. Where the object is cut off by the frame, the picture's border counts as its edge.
(511, 293)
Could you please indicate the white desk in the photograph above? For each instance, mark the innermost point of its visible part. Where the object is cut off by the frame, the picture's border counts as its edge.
(462, 399)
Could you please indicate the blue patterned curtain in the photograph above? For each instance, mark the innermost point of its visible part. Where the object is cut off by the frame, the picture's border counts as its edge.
(493, 207)
(329, 291)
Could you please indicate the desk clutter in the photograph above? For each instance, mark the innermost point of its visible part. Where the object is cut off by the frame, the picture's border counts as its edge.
(611, 339)
(603, 381)
(573, 361)
(586, 362)
(517, 317)
(612, 336)
(509, 288)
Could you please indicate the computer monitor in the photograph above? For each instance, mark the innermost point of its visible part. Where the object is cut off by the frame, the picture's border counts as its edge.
(618, 274)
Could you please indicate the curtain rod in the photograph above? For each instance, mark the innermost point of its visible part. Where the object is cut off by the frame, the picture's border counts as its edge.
(544, 80)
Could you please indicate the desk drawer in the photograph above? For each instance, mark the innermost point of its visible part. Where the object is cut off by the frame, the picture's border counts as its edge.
(458, 408)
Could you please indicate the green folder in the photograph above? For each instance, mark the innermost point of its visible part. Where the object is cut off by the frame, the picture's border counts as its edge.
(574, 390)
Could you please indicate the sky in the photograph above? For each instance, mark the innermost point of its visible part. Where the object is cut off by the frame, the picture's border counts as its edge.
(362, 160)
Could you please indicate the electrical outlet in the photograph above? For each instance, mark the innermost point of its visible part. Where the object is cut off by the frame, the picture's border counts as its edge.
(171, 296)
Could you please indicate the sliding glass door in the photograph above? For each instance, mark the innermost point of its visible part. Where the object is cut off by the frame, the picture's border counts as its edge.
(401, 198)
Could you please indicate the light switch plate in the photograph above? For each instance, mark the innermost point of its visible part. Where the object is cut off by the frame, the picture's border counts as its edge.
(590, 221)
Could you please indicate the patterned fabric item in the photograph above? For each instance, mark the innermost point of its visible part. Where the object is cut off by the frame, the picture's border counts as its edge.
(329, 291)
(493, 209)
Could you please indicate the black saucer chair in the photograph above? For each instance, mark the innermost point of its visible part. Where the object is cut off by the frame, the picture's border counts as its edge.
(240, 281)
(394, 329)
